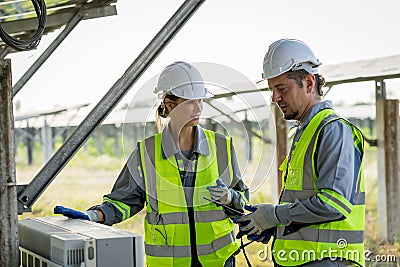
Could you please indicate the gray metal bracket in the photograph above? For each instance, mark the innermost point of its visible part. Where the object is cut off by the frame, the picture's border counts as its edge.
(21, 207)
(61, 157)
(380, 89)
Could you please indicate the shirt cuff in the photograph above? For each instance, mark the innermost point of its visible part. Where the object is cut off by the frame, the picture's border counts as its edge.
(108, 213)
(235, 204)
(282, 214)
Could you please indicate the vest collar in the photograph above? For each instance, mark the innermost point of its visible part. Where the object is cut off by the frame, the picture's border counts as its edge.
(169, 148)
(314, 110)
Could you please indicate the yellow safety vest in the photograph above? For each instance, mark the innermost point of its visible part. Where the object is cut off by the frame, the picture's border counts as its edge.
(167, 239)
(342, 239)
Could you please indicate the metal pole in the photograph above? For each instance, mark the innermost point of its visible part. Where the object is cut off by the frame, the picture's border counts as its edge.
(8, 190)
(47, 53)
(392, 177)
(281, 144)
(380, 95)
(388, 154)
(47, 141)
(4, 52)
(47, 174)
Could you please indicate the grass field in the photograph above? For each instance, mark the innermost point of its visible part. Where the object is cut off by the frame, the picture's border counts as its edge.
(86, 178)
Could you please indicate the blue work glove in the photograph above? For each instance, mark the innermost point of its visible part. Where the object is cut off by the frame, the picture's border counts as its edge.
(89, 215)
(262, 217)
(241, 232)
(221, 193)
(264, 237)
(242, 224)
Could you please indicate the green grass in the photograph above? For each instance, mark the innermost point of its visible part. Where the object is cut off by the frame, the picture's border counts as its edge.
(87, 177)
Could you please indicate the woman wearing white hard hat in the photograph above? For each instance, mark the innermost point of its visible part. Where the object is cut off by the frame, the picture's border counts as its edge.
(171, 172)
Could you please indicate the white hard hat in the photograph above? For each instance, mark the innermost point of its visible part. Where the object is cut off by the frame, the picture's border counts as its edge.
(182, 80)
(289, 54)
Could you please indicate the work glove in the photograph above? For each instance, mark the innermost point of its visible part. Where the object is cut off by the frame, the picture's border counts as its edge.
(264, 237)
(262, 217)
(221, 193)
(241, 225)
(89, 215)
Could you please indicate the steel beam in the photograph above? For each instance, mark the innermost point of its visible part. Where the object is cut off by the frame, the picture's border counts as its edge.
(47, 53)
(56, 20)
(4, 52)
(58, 161)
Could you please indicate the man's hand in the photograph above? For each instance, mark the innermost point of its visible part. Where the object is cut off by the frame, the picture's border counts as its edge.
(90, 215)
(264, 237)
(221, 193)
(262, 217)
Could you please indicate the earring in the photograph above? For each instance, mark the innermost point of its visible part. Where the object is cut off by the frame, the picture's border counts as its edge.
(163, 109)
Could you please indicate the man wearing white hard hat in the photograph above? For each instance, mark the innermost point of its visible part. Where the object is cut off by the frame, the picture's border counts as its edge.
(319, 220)
(170, 173)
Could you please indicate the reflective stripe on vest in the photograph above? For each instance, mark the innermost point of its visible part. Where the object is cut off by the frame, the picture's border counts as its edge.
(182, 217)
(289, 195)
(167, 239)
(184, 251)
(301, 178)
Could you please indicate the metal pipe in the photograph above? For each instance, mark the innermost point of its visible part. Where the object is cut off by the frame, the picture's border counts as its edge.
(47, 53)
(47, 174)
(4, 52)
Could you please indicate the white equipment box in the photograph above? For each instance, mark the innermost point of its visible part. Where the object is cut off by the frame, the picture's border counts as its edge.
(59, 241)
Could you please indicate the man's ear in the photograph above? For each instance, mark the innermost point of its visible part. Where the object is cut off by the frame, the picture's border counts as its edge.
(309, 82)
(169, 104)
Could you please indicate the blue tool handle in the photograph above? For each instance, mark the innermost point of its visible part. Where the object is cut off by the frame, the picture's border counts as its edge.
(70, 213)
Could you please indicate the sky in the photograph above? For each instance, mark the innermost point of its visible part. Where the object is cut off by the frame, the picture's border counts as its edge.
(234, 33)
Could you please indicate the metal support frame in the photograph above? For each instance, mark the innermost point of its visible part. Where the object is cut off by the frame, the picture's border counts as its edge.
(28, 136)
(117, 148)
(47, 141)
(4, 52)
(47, 53)
(25, 133)
(58, 161)
(387, 129)
(54, 21)
(248, 129)
(392, 160)
(281, 148)
(380, 95)
(380, 89)
(247, 125)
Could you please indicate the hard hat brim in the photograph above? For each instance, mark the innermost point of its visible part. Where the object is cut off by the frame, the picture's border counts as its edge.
(206, 95)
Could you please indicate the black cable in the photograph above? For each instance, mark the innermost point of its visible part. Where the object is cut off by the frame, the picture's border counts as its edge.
(32, 42)
(242, 247)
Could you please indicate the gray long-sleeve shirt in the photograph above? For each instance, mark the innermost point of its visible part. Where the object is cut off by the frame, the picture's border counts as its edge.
(129, 187)
(336, 168)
